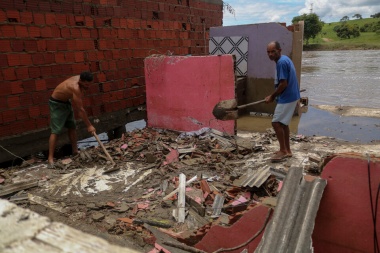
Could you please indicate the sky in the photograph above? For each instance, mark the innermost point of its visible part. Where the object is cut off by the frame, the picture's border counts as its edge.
(265, 11)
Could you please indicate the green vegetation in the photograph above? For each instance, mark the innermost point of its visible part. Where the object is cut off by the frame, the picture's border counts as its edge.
(328, 39)
(312, 25)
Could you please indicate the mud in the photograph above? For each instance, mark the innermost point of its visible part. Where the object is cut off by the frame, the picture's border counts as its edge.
(114, 205)
(350, 111)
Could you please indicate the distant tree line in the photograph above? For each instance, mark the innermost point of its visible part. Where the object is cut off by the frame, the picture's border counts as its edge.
(313, 26)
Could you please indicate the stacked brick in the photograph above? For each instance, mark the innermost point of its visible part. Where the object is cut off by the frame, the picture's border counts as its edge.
(43, 42)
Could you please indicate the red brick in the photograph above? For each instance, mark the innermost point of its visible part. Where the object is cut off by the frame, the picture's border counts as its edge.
(40, 85)
(3, 16)
(40, 98)
(17, 45)
(41, 45)
(50, 18)
(7, 31)
(60, 19)
(44, 109)
(34, 111)
(46, 70)
(13, 59)
(5, 130)
(49, 58)
(34, 72)
(79, 57)
(29, 125)
(9, 116)
(56, 32)
(25, 59)
(9, 74)
(46, 32)
(86, 33)
(60, 57)
(26, 100)
(22, 73)
(17, 87)
(42, 123)
(65, 33)
(22, 114)
(30, 45)
(26, 17)
(56, 7)
(13, 14)
(3, 106)
(13, 102)
(61, 45)
(38, 18)
(71, 45)
(29, 85)
(44, 6)
(5, 46)
(38, 59)
(70, 57)
(21, 31)
(34, 32)
(5, 88)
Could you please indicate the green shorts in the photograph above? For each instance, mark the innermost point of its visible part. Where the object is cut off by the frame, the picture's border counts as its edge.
(61, 115)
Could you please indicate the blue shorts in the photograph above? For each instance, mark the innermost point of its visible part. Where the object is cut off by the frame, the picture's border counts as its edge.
(284, 112)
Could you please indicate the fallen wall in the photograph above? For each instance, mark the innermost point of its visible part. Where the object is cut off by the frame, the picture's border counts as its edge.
(182, 91)
(43, 42)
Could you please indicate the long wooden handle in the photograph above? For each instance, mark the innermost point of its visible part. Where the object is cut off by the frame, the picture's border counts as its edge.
(104, 149)
(259, 102)
(253, 103)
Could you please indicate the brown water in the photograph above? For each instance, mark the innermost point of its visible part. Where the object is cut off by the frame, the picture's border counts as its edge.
(340, 78)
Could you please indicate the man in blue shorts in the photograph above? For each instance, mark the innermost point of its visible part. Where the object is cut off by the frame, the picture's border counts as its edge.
(287, 95)
(61, 111)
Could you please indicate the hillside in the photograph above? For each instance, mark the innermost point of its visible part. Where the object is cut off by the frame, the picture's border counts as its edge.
(328, 40)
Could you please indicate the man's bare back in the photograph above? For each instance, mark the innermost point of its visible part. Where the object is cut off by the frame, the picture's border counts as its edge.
(65, 90)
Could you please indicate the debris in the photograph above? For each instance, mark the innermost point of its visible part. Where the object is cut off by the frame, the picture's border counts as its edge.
(49, 204)
(217, 205)
(98, 216)
(17, 187)
(180, 211)
(176, 190)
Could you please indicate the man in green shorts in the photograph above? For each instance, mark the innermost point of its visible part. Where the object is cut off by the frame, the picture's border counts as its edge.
(61, 111)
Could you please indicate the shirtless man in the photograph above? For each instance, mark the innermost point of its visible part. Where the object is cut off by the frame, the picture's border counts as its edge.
(61, 111)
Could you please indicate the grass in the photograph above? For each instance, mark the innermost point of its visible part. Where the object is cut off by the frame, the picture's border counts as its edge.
(327, 39)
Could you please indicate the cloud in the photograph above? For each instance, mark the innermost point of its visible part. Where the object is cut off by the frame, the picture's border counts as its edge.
(333, 11)
(249, 12)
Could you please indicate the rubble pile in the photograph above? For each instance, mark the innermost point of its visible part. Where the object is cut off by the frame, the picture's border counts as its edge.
(179, 183)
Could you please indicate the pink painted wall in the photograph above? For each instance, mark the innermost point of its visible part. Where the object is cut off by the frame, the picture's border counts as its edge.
(181, 91)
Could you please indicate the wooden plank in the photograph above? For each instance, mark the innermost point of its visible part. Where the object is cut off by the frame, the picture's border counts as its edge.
(17, 187)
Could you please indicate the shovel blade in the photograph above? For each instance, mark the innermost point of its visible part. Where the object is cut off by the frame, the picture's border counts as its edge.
(226, 110)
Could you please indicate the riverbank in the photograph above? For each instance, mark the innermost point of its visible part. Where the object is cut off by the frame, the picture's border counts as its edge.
(340, 46)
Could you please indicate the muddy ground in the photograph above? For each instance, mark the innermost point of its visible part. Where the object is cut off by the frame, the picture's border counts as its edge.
(113, 202)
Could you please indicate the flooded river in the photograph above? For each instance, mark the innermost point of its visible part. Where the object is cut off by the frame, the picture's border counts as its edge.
(339, 78)
(349, 78)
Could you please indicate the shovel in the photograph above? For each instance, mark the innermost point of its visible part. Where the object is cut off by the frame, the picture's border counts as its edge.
(229, 110)
(114, 167)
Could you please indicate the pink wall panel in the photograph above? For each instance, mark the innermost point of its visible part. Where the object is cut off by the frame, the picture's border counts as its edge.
(181, 91)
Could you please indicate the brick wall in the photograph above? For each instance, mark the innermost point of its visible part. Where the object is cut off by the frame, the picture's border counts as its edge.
(43, 42)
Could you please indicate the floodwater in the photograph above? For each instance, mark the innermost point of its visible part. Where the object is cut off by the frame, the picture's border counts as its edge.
(339, 78)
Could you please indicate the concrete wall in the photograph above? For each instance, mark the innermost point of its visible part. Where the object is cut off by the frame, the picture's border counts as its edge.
(261, 70)
(182, 91)
(43, 42)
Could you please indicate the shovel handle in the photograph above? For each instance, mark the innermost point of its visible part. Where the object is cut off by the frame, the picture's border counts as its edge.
(258, 102)
(104, 149)
(253, 103)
